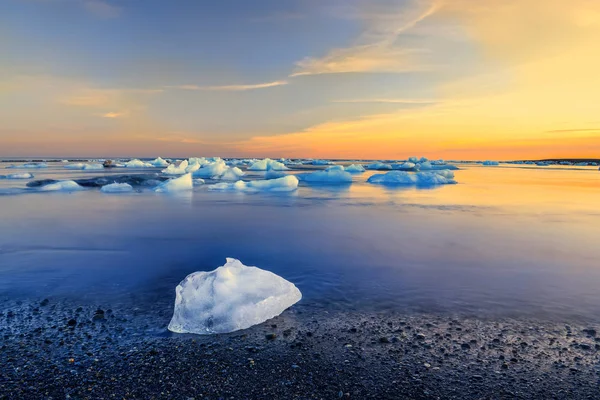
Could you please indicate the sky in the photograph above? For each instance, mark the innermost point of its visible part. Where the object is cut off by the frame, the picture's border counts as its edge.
(365, 79)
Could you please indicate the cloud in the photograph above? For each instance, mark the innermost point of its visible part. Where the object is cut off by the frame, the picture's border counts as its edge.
(231, 88)
(114, 114)
(102, 9)
(377, 48)
(389, 101)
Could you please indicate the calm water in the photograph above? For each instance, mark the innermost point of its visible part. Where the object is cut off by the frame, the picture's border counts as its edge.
(518, 241)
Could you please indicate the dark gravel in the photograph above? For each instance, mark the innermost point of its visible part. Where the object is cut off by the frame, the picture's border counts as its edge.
(52, 350)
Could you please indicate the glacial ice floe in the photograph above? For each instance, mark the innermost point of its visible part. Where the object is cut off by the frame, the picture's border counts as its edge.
(490, 163)
(29, 166)
(180, 184)
(333, 174)
(267, 164)
(179, 169)
(211, 170)
(232, 174)
(159, 163)
(355, 169)
(272, 174)
(230, 298)
(61, 186)
(117, 188)
(287, 183)
(85, 167)
(378, 166)
(25, 175)
(135, 163)
(432, 178)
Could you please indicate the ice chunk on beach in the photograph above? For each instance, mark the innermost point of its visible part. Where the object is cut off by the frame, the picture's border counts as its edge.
(379, 166)
(159, 163)
(117, 188)
(403, 178)
(287, 183)
(176, 184)
(355, 169)
(25, 175)
(230, 298)
(135, 163)
(61, 186)
(490, 163)
(266, 165)
(334, 174)
(176, 169)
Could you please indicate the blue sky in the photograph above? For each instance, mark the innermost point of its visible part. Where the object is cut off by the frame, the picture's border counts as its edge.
(250, 77)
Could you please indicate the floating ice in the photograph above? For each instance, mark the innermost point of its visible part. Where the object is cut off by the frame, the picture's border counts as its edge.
(176, 184)
(270, 174)
(198, 181)
(29, 165)
(117, 188)
(490, 163)
(159, 162)
(267, 164)
(213, 169)
(407, 166)
(335, 174)
(322, 162)
(232, 174)
(355, 169)
(286, 184)
(176, 169)
(230, 298)
(418, 178)
(86, 167)
(61, 186)
(25, 175)
(379, 166)
(135, 163)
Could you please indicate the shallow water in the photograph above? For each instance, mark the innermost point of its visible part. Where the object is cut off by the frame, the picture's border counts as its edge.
(508, 240)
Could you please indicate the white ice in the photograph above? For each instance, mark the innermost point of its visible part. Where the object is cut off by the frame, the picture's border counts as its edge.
(322, 162)
(135, 163)
(117, 188)
(86, 167)
(267, 164)
(355, 169)
(334, 174)
(25, 175)
(271, 174)
(159, 163)
(379, 166)
(491, 163)
(176, 169)
(232, 174)
(230, 298)
(212, 170)
(285, 184)
(61, 186)
(176, 184)
(432, 178)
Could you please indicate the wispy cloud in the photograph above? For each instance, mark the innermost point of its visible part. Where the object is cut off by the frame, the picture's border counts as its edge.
(115, 114)
(377, 48)
(574, 130)
(102, 9)
(389, 101)
(231, 88)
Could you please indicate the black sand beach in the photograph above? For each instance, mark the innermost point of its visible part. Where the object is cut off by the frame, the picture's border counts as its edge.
(58, 350)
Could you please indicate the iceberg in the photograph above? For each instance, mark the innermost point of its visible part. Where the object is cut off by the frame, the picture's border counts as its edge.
(212, 170)
(61, 186)
(413, 160)
(117, 188)
(404, 178)
(232, 174)
(335, 174)
(288, 183)
(322, 162)
(379, 166)
(176, 169)
(266, 165)
(230, 298)
(355, 169)
(271, 174)
(176, 184)
(198, 181)
(407, 166)
(86, 167)
(490, 163)
(135, 163)
(25, 175)
(159, 163)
